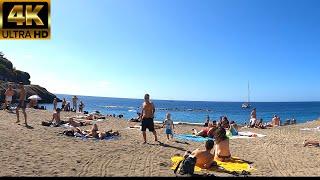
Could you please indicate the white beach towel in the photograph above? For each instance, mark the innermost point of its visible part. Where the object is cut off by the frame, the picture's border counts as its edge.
(311, 129)
(245, 135)
(66, 126)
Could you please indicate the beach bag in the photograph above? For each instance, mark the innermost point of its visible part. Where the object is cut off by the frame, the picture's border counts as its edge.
(46, 123)
(187, 166)
(68, 133)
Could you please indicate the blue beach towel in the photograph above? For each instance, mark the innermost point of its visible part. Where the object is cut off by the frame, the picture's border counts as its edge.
(190, 137)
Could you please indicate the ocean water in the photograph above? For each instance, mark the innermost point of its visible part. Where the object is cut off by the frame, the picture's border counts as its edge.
(196, 112)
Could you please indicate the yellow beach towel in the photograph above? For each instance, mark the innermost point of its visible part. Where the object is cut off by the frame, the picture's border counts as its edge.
(235, 164)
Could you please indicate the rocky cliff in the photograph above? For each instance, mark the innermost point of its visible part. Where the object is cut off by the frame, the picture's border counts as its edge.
(46, 96)
(8, 74)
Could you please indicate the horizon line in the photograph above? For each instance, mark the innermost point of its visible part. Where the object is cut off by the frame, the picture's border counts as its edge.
(188, 100)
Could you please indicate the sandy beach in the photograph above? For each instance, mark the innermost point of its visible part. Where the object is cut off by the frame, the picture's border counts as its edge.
(42, 151)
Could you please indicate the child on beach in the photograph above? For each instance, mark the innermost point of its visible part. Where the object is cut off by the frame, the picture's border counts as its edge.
(169, 125)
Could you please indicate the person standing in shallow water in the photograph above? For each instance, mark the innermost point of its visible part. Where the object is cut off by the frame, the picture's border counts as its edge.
(74, 103)
(64, 103)
(147, 114)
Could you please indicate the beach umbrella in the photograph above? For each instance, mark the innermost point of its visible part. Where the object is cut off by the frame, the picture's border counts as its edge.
(35, 97)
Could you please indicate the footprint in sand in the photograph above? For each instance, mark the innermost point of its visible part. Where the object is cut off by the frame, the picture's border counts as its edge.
(164, 164)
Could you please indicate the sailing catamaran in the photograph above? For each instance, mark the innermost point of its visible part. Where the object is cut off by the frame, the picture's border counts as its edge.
(247, 104)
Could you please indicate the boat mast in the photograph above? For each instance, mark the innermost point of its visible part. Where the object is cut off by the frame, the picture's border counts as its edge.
(248, 92)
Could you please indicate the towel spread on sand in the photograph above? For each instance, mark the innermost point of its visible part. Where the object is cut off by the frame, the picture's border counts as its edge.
(242, 135)
(106, 138)
(190, 137)
(66, 126)
(311, 129)
(246, 135)
(235, 164)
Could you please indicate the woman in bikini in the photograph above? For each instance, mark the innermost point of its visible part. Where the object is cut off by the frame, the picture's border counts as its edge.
(75, 123)
(93, 132)
(222, 150)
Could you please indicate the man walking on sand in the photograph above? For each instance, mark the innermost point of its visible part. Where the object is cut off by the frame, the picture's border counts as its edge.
(22, 103)
(147, 114)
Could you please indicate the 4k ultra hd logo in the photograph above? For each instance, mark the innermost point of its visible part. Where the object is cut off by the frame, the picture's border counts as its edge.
(25, 19)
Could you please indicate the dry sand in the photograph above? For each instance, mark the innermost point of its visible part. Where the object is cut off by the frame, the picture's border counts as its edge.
(42, 151)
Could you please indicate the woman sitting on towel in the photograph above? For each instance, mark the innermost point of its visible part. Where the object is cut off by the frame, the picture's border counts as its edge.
(222, 150)
(93, 132)
(56, 120)
(274, 122)
(234, 128)
(259, 124)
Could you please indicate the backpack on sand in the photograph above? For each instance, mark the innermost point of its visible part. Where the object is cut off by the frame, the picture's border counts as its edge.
(187, 166)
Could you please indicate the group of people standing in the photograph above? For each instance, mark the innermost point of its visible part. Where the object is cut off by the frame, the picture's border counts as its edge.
(22, 101)
(66, 105)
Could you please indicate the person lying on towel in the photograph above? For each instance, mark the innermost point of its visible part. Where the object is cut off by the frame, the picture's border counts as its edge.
(311, 143)
(75, 123)
(205, 132)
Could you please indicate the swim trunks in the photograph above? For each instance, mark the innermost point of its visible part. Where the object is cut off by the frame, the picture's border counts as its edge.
(147, 123)
(169, 131)
(22, 105)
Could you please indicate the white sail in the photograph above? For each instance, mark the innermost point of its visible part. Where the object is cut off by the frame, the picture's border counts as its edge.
(247, 104)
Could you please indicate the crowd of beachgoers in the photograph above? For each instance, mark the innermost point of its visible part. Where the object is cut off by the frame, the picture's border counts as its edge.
(217, 147)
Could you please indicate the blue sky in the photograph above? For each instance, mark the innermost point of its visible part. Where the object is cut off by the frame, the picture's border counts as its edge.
(178, 49)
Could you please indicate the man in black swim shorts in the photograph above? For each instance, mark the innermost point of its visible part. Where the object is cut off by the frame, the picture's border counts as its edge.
(147, 114)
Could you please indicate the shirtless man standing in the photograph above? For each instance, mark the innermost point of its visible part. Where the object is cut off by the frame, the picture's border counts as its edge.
(147, 114)
(22, 103)
(205, 159)
(9, 93)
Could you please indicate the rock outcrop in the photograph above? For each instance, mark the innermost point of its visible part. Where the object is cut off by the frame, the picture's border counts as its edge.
(8, 74)
(46, 96)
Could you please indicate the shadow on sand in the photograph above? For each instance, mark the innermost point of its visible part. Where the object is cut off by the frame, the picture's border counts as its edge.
(167, 145)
